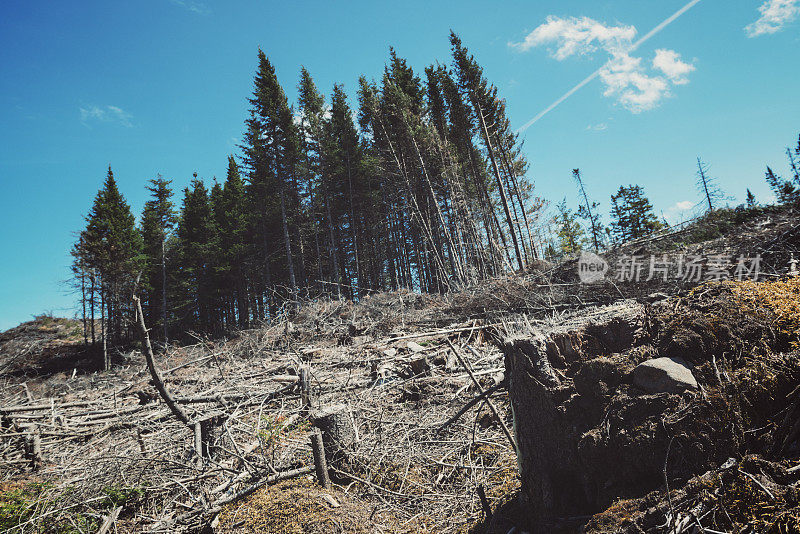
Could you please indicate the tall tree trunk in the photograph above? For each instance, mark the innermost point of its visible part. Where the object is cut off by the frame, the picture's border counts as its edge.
(287, 244)
(92, 306)
(83, 304)
(500, 186)
(332, 251)
(164, 290)
(514, 183)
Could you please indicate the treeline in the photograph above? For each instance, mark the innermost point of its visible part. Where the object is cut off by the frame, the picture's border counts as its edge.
(632, 216)
(421, 185)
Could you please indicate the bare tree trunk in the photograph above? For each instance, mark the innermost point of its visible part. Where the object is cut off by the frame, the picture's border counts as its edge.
(92, 306)
(287, 243)
(332, 249)
(501, 187)
(164, 290)
(151, 366)
(83, 304)
(513, 177)
(103, 333)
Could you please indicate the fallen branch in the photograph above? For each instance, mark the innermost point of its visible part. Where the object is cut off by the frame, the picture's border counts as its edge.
(470, 404)
(151, 366)
(491, 405)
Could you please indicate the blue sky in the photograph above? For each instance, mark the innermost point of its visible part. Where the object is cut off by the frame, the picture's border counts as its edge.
(159, 86)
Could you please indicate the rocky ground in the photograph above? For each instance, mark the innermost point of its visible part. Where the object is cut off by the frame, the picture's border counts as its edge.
(661, 406)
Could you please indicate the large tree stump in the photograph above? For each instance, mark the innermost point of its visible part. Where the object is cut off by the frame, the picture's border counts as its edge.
(338, 434)
(551, 479)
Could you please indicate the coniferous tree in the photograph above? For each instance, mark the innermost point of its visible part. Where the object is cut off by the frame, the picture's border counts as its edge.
(486, 108)
(571, 237)
(707, 186)
(271, 157)
(111, 249)
(230, 214)
(750, 199)
(632, 214)
(785, 191)
(196, 242)
(158, 219)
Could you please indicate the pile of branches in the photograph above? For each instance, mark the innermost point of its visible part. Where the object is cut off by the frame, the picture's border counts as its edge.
(168, 441)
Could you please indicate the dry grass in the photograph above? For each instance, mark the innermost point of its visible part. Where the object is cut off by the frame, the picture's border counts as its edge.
(781, 298)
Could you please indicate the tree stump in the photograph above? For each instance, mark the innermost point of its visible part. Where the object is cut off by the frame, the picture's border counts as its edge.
(545, 455)
(32, 446)
(211, 430)
(338, 434)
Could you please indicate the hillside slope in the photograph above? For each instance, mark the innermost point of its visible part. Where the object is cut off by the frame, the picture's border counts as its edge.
(427, 453)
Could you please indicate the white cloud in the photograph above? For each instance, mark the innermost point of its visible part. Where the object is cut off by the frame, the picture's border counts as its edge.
(669, 62)
(775, 14)
(626, 78)
(94, 113)
(575, 35)
(599, 127)
(194, 7)
(683, 205)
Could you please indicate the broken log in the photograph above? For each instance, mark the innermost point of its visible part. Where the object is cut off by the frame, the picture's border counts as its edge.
(320, 465)
(148, 356)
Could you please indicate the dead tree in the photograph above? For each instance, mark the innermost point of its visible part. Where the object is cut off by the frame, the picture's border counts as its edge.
(151, 366)
(320, 464)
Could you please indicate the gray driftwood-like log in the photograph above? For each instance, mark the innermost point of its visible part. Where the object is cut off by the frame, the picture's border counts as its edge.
(148, 356)
(338, 434)
(320, 464)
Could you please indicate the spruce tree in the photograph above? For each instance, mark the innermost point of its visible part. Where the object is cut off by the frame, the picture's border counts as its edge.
(196, 242)
(232, 226)
(484, 100)
(571, 237)
(632, 214)
(158, 219)
(785, 191)
(112, 246)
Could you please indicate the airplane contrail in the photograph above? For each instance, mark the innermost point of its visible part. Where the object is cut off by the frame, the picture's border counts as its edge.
(669, 20)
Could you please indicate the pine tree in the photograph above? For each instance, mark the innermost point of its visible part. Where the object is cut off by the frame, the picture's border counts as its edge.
(571, 237)
(111, 246)
(750, 200)
(707, 186)
(158, 219)
(230, 214)
(632, 214)
(785, 191)
(483, 97)
(196, 241)
(271, 147)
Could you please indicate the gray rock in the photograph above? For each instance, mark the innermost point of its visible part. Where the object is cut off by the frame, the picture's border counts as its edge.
(664, 375)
